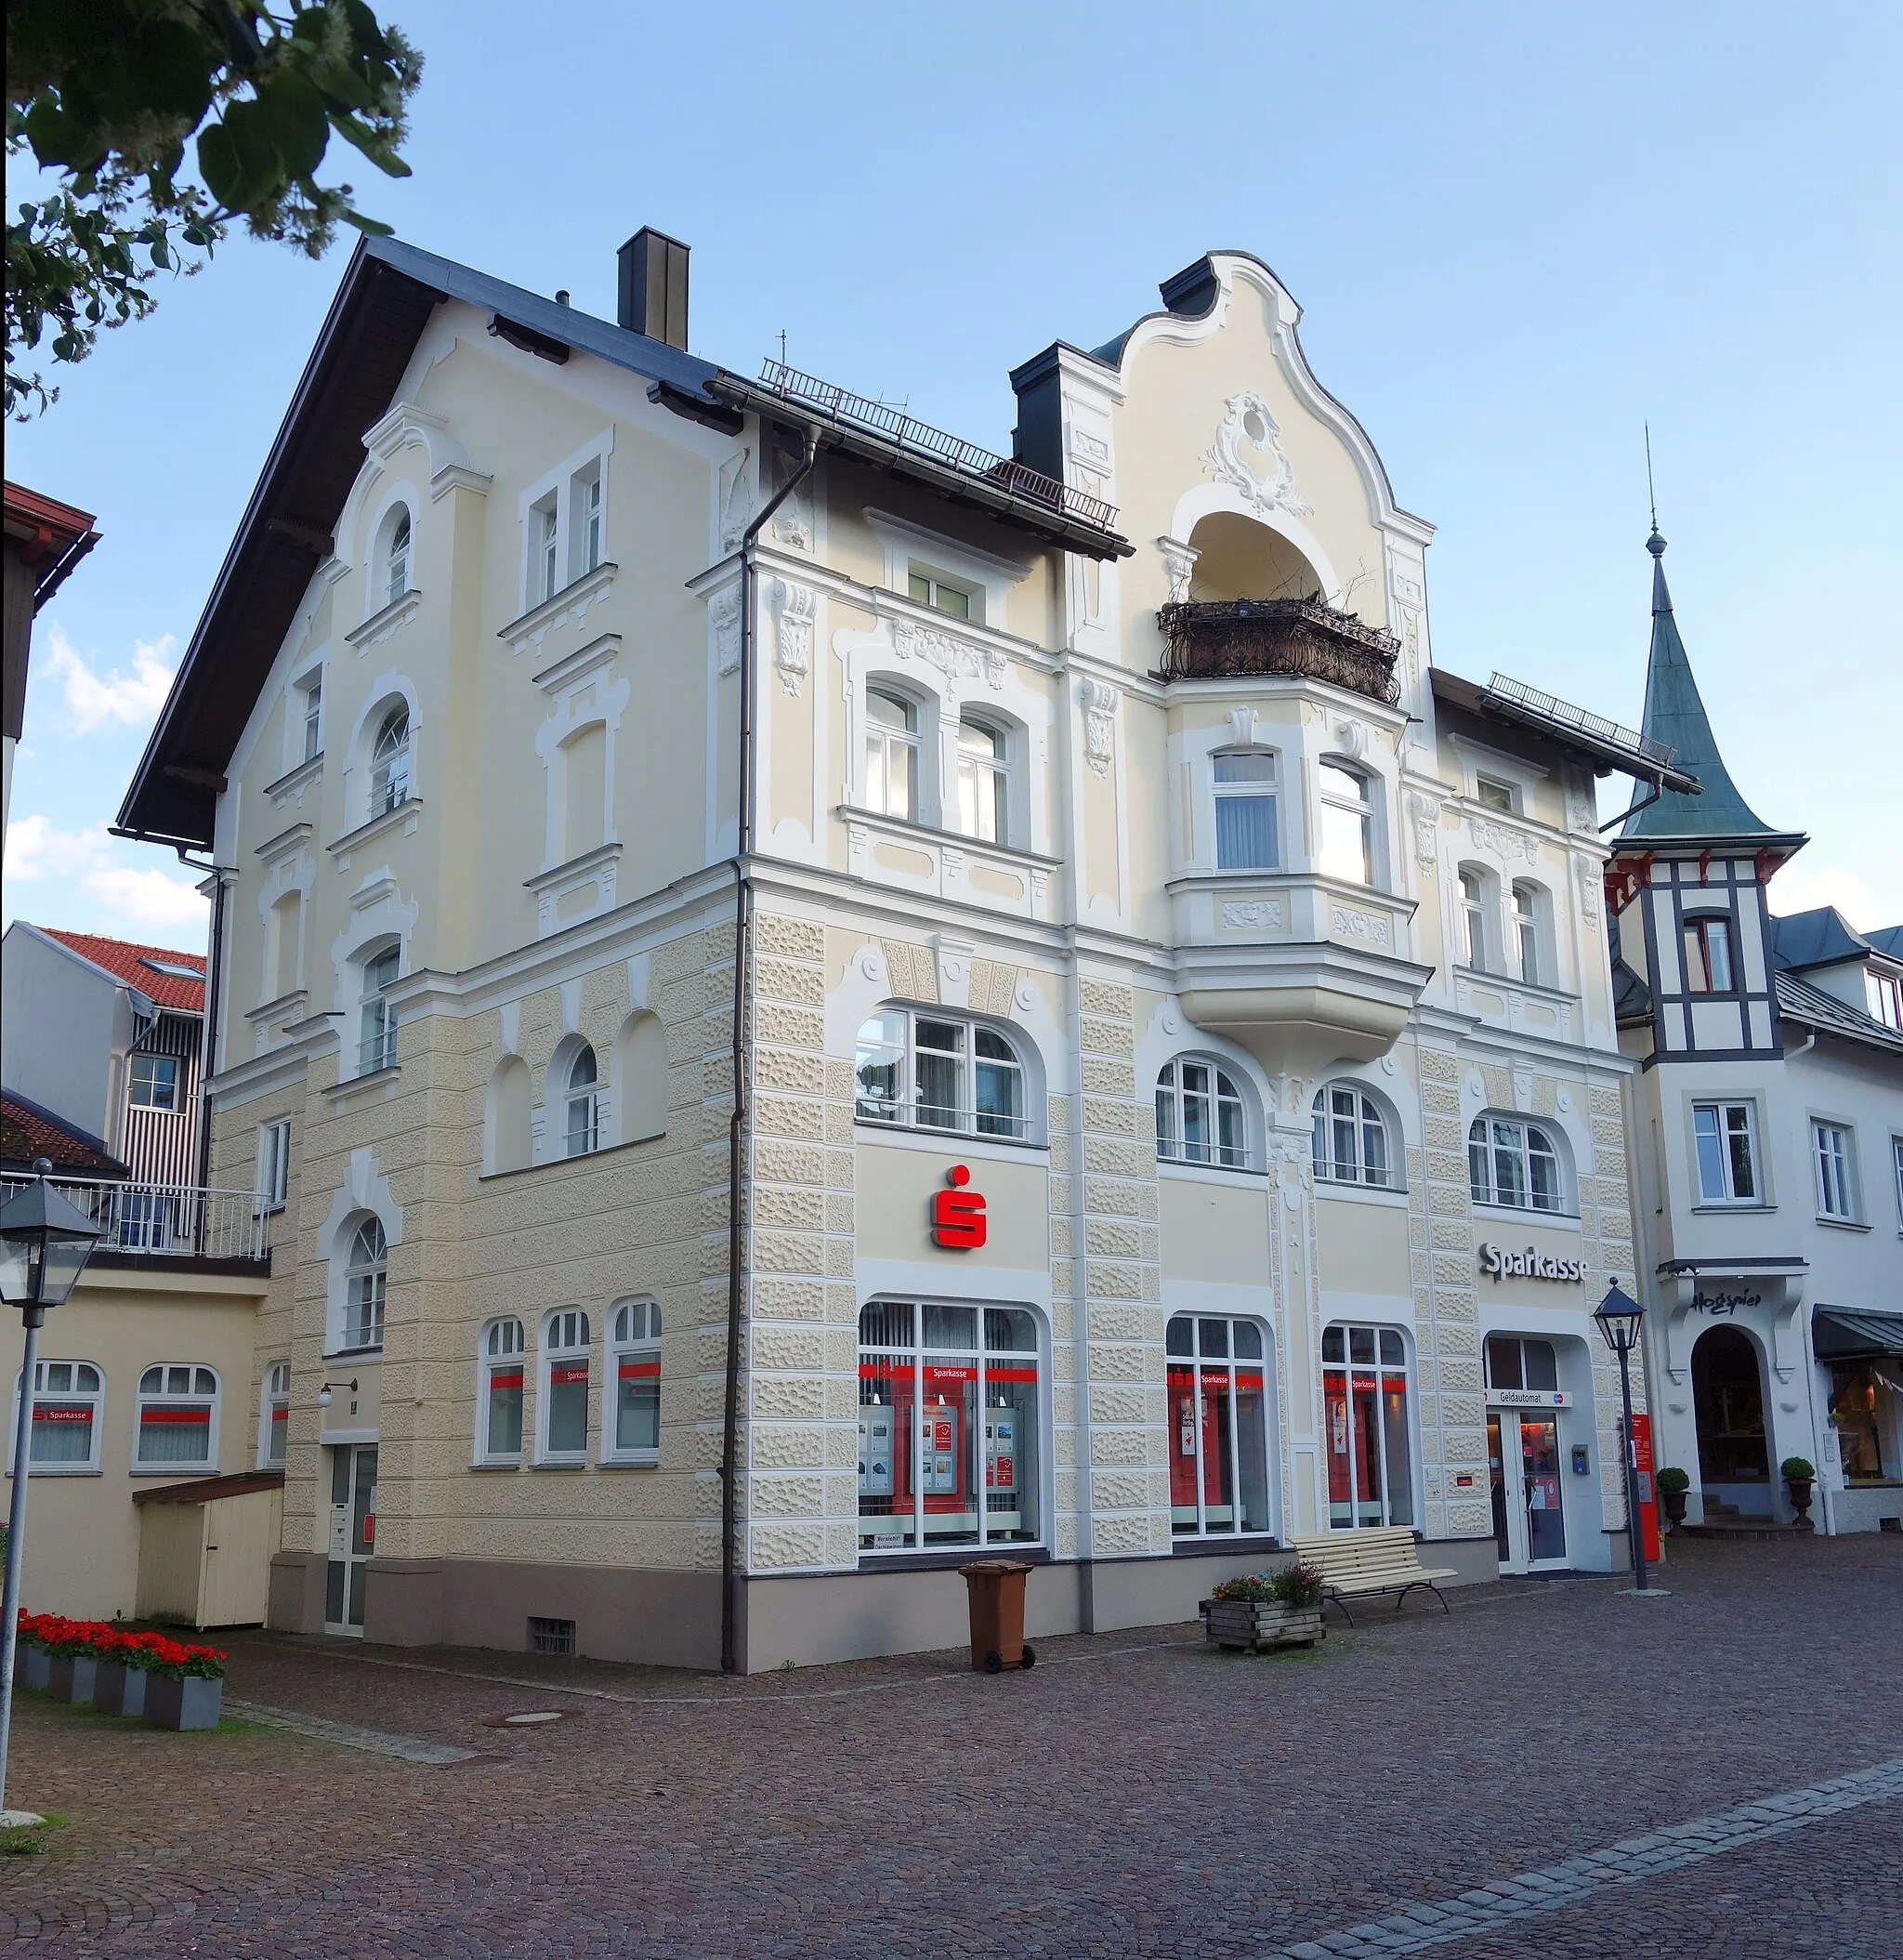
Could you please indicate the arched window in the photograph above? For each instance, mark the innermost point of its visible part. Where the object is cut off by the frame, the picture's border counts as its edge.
(1199, 1114)
(1245, 813)
(948, 1448)
(365, 1278)
(584, 1105)
(636, 1336)
(389, 762)
(891, 754)
(376, 1045)
(1474, 920)
(565, 1387)
(1365, 1384)
(1219, 1427)
(177, 1419)
(1350, 1142)
(1346, 825)
(1526, 927)
(933, 1072)
(396, 561)
(274, 1416)
(1511, 1162)
(68, 1400)
(984, 782)
(499, 1408)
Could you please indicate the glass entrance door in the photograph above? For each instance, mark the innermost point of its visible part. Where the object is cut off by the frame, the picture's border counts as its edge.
(1528, 1507)
(352, 1535)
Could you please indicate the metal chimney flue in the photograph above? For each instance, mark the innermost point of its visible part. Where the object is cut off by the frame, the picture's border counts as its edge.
(652, 289)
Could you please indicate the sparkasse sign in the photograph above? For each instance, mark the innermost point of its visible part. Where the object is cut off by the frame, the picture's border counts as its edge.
(1532, 1264)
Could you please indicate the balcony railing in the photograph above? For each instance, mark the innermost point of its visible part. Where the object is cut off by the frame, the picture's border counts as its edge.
(1215, 639)
(180, 1221)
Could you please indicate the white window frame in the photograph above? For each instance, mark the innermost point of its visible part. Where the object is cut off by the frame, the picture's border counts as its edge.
(365, 1316)
(274, 1164)
(1896, 1164)
(984, 781)
(95, 1398)
(502, 1347)
(1222, 1092)
(195, 1395)
(273, 1393)
(1883, 994)
(376, 1028)
(1701, 970)
(1363, 808)
(1527, 933)
(634, 1342)
(1264, 789)
(1381, 1370)
(1476, 904)
(580, 1105)
(1521, 1149)
(1327, 1119)
(939, 587)
(305, 735)
(134, 1100)
(1489, 790)
(902, 1113)
(588, 514)
(567, 1335)
(1833, 1171)
(1722, 1130)
(556, 513)
(1231, 1365)
(391, 757)
(907, 743)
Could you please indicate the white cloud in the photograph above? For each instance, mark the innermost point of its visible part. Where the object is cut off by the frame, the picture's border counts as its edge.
(1802, 887)
(117, 897)
(133, 699)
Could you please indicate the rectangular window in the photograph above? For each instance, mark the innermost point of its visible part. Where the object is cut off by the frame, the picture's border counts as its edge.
(637, 1329)
(1856, 1408)
(1364, 1377)
(548, 578)
(951, 600)
(1836, 1196)
(1726, 1138)
(154, 1082)
(504, 1433)
(1216, 1381)
(1883, 994)
(274, 1164)
(1245, 814)
(1708, 955)
(312, 692)
(1495, 796)
(1897, 1159)
(176, 1410)
(567, 1406)
(586, 519)
(378, 1042)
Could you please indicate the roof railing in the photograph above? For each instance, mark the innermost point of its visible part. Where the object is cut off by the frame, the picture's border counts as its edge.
(968, 459)
(1565, 715)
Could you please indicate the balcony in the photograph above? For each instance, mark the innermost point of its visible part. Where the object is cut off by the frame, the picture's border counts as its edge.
(165, 1221)
(1297, 639)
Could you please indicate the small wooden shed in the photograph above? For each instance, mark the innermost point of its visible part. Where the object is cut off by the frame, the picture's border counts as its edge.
(204, 1549)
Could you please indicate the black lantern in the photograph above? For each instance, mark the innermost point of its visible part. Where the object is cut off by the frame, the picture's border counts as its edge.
(1618, 1318)
(44, 1243)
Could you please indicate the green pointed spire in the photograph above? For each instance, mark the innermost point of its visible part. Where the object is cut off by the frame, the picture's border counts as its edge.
(1674, 714)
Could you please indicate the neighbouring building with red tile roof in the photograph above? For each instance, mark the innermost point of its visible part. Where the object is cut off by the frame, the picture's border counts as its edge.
(29, 1133)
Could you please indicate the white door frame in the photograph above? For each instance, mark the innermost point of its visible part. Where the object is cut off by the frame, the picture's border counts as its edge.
(1518, 1560)
(348, 1522)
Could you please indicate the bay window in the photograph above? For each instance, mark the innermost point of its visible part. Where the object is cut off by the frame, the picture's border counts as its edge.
(949, 1437)
(1245, 811)
(177, 1419)
(1346, 825)
(1365, 1387)
(565, 1387)
(1218, 1442)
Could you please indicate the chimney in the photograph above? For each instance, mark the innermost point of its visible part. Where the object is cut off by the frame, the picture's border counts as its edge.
(652, 289)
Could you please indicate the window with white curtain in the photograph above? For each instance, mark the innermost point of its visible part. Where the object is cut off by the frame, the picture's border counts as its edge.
(1350, 1142)
(1726, 1137)
(1511, 1162)
(68, 1405)
(1245, 811)
(1200, 1117)
(940, 1071)
(177, 1418)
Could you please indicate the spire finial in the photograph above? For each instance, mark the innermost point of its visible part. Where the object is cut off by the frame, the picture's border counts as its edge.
(1655, 544)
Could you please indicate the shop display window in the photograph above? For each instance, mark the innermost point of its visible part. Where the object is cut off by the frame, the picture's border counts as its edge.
(1218, 1382)
(949, 1411)
(1365, 1384)
(1855, 1387)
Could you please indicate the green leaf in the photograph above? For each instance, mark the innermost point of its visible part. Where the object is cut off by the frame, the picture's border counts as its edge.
(260, 174)
(372, 145)
(218, 165)
(299, 128)
(174, 69)
(56, 136)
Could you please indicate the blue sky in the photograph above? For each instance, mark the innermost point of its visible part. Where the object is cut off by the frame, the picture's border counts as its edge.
(1518, 233)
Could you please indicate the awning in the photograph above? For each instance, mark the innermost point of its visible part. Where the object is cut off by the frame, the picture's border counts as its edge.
(1846, 1334)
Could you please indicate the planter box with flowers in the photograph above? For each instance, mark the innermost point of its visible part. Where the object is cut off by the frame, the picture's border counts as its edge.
(145, 1676)
(1283, 1609)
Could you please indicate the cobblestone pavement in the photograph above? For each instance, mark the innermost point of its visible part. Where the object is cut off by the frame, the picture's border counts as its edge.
(1136, 1794)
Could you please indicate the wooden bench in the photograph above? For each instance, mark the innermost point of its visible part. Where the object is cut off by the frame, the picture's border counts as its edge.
(1385, 1560)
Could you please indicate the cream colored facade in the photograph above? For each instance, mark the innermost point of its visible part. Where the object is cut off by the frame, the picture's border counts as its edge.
(552, 870)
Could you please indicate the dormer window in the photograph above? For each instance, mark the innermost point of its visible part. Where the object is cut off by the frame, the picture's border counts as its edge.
(1883, 992)
(1708, 955)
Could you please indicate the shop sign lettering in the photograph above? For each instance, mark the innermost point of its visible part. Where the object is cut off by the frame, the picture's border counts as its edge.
(1529, 1398)
(1531, 1264)
(1724, 1302)
(958, 1215)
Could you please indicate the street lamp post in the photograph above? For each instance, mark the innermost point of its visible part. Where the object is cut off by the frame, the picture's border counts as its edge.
(1619, 1317)
(44, 1243)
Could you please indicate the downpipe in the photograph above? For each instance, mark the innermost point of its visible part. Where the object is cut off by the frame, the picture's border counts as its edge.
(742, 927)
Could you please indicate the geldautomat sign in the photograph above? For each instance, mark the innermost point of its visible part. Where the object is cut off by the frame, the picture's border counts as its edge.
(1531, 1264)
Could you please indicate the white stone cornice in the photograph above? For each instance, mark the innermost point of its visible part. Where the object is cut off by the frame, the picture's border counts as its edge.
(572, 601)
(381, 624)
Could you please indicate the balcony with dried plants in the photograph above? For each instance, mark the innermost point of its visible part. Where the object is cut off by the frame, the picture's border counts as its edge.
(1298, 639)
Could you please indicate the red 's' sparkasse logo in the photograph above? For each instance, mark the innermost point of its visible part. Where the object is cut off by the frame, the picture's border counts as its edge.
(958, 1215)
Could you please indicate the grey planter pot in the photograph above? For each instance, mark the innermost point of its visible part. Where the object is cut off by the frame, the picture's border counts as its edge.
(69, 1677)
(1242, 1623)
(120, 1689)
(192, 1703)
(36, 1666)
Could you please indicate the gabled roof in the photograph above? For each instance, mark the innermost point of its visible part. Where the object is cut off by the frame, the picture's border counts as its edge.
(388, 292)
(1674, 714)
(50, 537)
(141, 966)
(1887, 939)
(28, 1131)
(1820, 938)
(1811, 1008)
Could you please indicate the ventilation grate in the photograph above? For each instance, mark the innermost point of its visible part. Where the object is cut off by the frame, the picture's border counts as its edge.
(551, 1635)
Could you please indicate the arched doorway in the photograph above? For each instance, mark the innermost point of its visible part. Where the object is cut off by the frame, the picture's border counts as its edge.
(1728, 1401)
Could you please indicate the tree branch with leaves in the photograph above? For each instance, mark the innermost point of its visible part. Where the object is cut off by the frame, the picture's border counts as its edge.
(112, 95)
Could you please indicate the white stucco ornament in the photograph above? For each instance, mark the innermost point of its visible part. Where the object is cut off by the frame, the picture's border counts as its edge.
(1099, 699)
(1249, 430)
(794, 640)
(956, 658)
